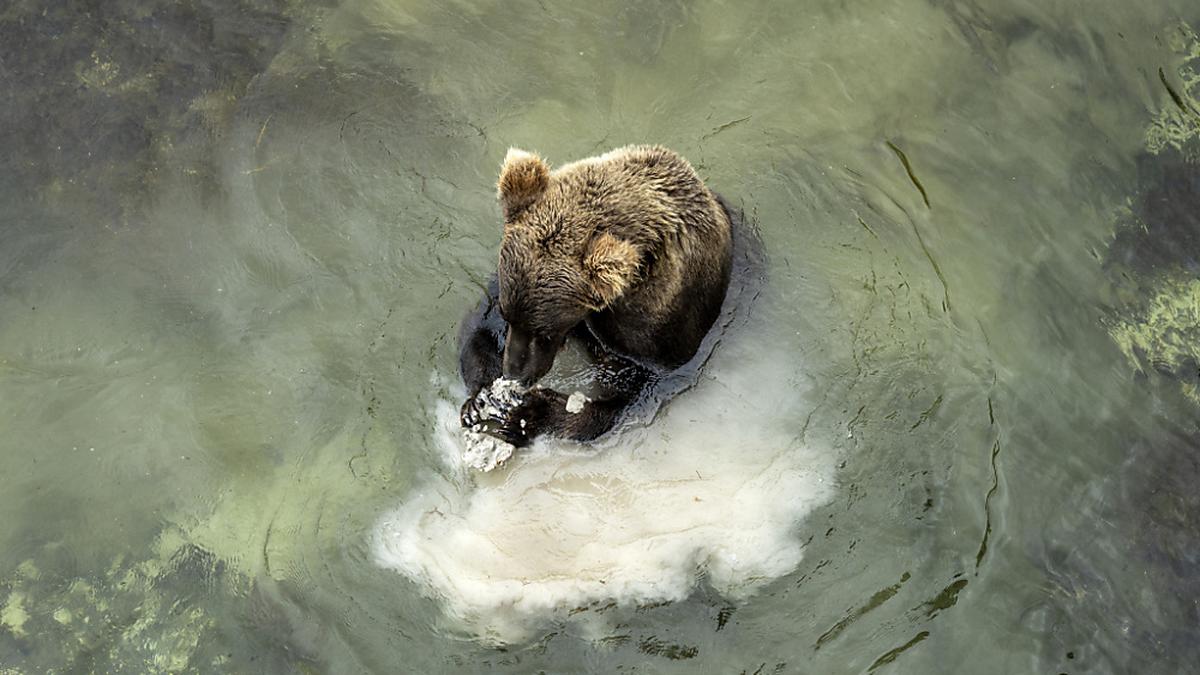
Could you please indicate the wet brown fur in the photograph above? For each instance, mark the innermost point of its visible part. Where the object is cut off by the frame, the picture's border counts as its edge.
(632, 241)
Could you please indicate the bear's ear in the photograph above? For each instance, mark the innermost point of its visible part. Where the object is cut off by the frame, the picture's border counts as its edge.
(523, 178)
(611, 266)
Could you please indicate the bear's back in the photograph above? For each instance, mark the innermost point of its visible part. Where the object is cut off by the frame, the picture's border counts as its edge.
(652, 196)
(647, 194)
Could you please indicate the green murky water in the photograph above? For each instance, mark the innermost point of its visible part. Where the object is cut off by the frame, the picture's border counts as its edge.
(958, 432)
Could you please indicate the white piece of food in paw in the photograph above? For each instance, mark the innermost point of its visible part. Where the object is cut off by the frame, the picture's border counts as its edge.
(496, 399)
(576, 401)
(506, 391)
(484, 452)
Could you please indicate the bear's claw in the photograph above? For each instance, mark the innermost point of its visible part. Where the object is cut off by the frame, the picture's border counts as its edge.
(517, 424)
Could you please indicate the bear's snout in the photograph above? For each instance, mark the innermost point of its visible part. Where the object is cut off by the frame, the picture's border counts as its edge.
(528, 357)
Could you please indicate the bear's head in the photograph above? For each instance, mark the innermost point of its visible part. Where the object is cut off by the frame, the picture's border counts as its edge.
(558, 264)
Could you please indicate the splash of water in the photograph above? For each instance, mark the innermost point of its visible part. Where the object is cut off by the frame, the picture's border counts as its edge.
(713, 490)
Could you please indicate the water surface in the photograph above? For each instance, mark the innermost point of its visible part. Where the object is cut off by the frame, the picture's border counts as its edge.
(956, 433)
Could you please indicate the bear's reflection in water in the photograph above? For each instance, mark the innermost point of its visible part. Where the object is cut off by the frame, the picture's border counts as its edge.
(712, 485)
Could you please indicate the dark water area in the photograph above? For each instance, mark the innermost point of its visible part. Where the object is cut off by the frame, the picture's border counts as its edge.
(957, 433)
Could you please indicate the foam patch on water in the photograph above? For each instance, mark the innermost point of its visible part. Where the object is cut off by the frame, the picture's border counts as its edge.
(714, 489)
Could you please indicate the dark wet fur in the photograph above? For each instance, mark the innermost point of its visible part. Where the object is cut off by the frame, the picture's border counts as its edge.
(631, 389)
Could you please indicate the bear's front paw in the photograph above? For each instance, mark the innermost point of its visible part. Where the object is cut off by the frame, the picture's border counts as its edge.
(471, 413)
(481, 419)
(491, 402)
(479, 409)
(528, 419)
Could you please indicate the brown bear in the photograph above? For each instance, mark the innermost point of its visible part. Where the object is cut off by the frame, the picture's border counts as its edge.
(629, 252)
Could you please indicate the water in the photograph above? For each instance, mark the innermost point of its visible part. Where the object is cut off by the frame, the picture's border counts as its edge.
(957, 433)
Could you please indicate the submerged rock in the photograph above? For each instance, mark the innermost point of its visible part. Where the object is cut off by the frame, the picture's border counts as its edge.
(1154, 258)
(1163, 332)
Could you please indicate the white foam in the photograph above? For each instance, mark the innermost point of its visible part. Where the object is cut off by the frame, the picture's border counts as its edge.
(714, 489)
